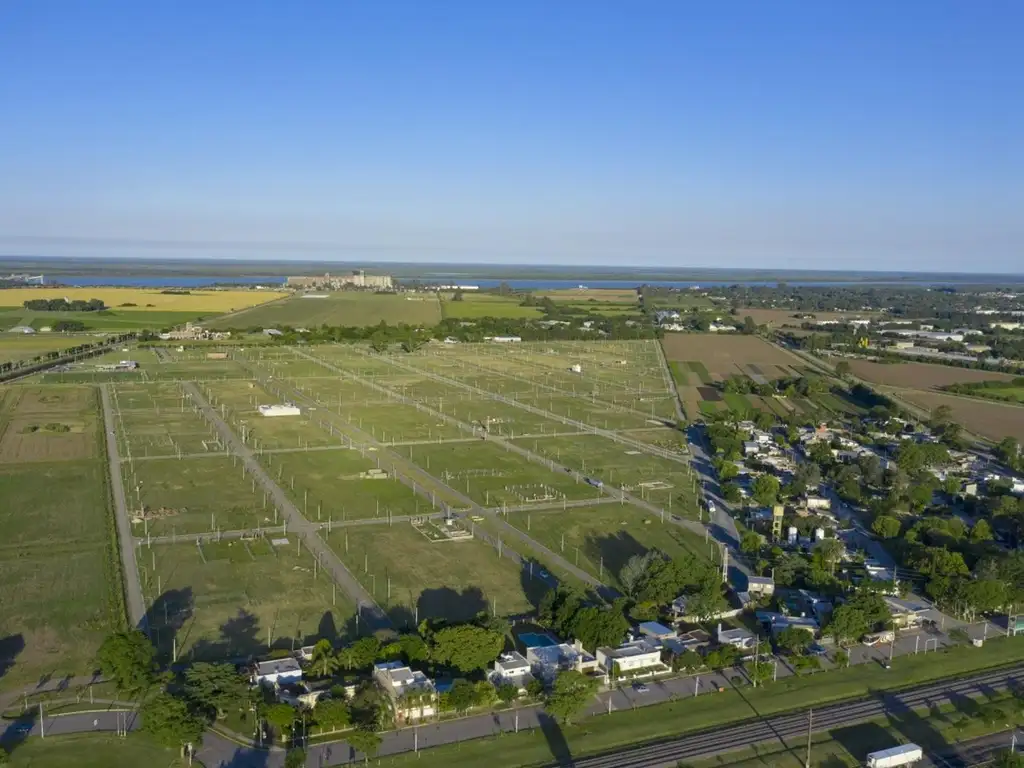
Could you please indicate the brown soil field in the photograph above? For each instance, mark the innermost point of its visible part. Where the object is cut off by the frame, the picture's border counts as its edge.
(721, 354)
(57, 400)
(620, 295)
(778, 318)
(989, 419)
(920, 375)
(691, 401)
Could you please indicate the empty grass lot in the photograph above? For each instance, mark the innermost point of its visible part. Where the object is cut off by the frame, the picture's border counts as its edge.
(475, 305)
(445, 579)
(609, 531)
(245, 598)
(346, 308)
(94, 750)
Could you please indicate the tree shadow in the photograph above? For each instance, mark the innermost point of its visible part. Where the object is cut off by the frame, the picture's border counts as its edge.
(536, 581)
(861, 739)
(612, 551)
(244, 757)
(450, 604)
(18, 730)
(238, 639)
(555, 738)
(912, 726)
(10, 647)
(166, 617)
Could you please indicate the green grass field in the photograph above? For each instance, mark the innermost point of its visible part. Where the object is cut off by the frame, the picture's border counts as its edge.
(244, 598)
(349, 308)
(94, 750)
(17, 346)
(476, 305)
(441, 579)
(607, 532)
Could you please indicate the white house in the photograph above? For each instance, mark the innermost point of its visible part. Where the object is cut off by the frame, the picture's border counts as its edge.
(656, 630)
(818, 502)
(512, 669)
(738, 638)
(412, 693)
(632, 659)
(277, 672)
(760, 585)
(547, 661)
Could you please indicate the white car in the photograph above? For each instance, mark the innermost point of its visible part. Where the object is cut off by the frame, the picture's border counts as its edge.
(711, 507)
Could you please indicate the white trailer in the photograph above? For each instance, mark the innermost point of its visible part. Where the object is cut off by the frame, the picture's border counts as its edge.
(907, 754)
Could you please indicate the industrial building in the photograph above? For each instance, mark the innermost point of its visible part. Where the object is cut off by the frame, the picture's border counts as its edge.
(358, 279)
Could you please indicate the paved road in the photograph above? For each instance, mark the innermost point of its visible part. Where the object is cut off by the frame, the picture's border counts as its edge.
(369, 611)
(132, 584)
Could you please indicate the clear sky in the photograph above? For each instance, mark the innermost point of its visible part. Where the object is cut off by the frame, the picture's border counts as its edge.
(871, 135)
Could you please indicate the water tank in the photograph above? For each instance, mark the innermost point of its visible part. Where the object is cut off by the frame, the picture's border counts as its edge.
(791, 534)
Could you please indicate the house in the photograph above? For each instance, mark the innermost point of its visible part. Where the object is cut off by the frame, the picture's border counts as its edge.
(721, 328)
(818, 502)
(277, 672)
(546, 661)
(750, 448)
(656, 631)
(635, 658)
(906, 614)
(412, 693)
(512, 669)
(738, 638)
(761, 585)
(796, 622)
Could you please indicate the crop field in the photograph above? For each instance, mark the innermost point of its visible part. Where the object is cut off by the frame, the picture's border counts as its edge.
(193, 495)
(452, 579)
(661, 481)
(233, 599)
(145, 299)
(475, 305)
(715, 357)
(986, 418)
(920, 375)
(58, 587)
(346, 308)
(492, 476)
(784, 318)
(602, 538)
(17, 346)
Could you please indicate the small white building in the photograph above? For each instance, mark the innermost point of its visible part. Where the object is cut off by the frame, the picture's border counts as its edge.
(286, 409)
(738, 638)
(512, 669)
(761, 585)
(413, 695)
(576, 368)
(548, 660)
(506, 339)
(635, 658)
(277, 672)
(818, 502)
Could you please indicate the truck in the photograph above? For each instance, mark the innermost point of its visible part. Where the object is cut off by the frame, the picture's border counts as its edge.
(875, 638)
(907, 754)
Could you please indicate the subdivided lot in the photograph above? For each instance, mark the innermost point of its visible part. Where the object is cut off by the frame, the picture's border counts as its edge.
(232, 599)
(342, 484)
(92, 371)
(920, 375)
(493, 476)
(988, 419)
(658, 480)
(451, 579)
(656, 410)
(238, 403)
(58, 585)
(601, 539)
(667, 438)
(193, 495)
(49, 424)
(478, 305)
(346, 308)
(158, 420)
(715, 357)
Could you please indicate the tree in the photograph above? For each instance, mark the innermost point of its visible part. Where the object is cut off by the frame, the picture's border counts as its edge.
(843, 368)
(127, 659)
(765, 490)
(281, 717)
(842, 658)
(170, 721)
(634, 571)
(361, 654)
(688, 660)
(332, 714)
(731, 492)
(457, 296)
(708, 601)
(751, 543)
(215, 688)
(295, 758)
(847, 623)
(886, 526)
(571, 692)
(325, 661)
(364, 740)
(830, 552)
(981, 531)
(507, 693)
(749, 326)
(466, 647)
(462, 696)
(596, 627)
(1008, 759)
(793, 640)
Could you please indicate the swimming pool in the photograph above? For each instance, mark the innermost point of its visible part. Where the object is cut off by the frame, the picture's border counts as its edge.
(536, 640)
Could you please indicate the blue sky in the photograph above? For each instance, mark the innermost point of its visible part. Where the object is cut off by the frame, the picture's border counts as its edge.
(803, 135)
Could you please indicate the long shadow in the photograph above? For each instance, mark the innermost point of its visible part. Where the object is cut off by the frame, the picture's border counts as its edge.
(243, 757)
(863, 738)
(10, 647)
(402, 617)
(450, 604)
(912, 726)
(166, 617)
(18, 730)
(555, 738)
(535, 581)
(613, 551)
(239, 639)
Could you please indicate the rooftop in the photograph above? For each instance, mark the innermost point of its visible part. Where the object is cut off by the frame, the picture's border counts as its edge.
(277, 667)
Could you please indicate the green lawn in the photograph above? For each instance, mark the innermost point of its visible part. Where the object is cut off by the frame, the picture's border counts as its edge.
(476, 305)
(600, 539)
(443, 579)
(245, 597)
(348, 308)
(94, 750)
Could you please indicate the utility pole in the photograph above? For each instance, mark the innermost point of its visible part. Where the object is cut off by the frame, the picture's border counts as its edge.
(810, 722)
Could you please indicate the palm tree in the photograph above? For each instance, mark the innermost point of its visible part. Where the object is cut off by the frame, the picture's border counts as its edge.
(324, 662)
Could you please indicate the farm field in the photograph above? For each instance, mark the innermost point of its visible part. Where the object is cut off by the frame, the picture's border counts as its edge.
(475, 305)
(602, 538)
(986, 418)
(59, 586)
(345, 308)
(112, 320)
(720, 356)
(452, 579)
(145, 299)
(784, 318)
(920, 375)
(18, 346)
(602, 295)
(232, 599)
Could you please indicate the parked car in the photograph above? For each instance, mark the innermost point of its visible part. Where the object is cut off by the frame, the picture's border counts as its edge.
(640, 688)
